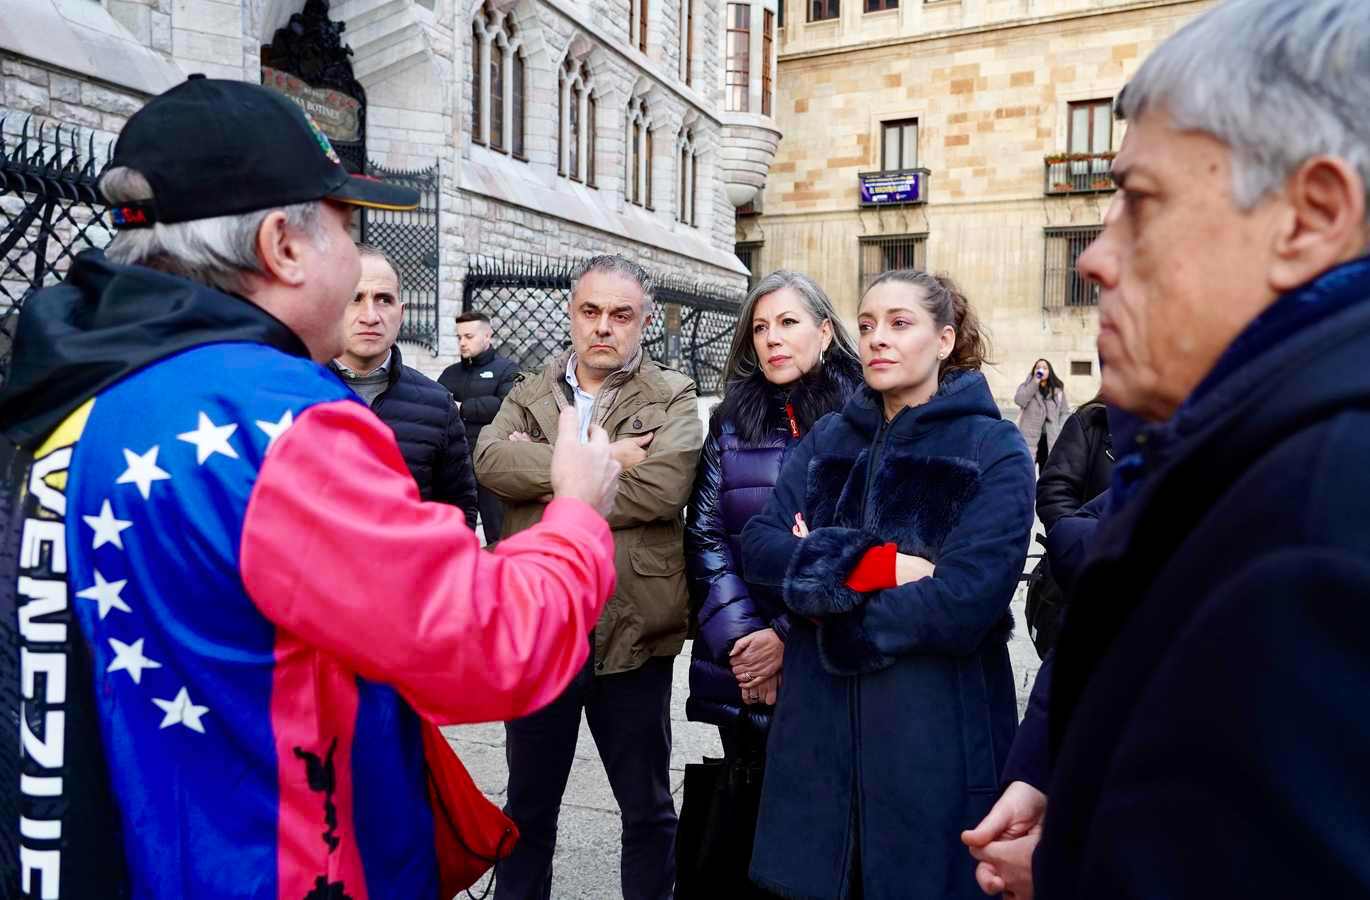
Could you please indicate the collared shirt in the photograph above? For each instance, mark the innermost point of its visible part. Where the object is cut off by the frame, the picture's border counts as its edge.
(383, 367)
(585, 403)
(370, 385)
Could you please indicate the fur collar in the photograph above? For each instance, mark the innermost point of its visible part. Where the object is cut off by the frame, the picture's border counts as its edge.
(755, 407)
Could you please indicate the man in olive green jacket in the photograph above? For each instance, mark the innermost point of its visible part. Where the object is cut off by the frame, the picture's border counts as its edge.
(651, 416)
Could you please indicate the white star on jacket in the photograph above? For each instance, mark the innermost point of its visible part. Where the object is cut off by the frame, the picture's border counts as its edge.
(105, 593)
(209, 439)
(129, 658)
(107, 528)
(142, 471)
(275, 429)
(180, 711)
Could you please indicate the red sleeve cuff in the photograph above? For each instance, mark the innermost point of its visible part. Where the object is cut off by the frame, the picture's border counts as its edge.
(876, 570)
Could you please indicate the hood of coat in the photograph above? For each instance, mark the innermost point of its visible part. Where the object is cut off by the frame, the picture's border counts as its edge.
(106, 321)
(962, 394)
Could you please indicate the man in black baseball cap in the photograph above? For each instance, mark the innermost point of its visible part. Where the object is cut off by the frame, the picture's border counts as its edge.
(228, 612)
(214, 148)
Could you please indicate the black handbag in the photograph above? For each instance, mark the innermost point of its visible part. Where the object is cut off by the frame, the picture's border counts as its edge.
(1046, 607)
(718, 810)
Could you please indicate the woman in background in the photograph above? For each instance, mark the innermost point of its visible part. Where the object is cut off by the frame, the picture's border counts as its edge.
(1042, 398)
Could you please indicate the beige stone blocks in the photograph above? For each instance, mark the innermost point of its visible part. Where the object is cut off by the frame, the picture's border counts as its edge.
(991, 104)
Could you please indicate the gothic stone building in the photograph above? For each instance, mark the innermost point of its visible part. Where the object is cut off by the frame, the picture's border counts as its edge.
(557, 127)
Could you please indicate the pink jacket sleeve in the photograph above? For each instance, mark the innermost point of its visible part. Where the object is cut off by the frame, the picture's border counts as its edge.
(338, 549)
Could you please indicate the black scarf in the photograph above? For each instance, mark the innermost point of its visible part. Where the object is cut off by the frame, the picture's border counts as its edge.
(756, 407)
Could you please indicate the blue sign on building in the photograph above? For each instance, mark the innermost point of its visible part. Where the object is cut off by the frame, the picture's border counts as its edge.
(893, 188)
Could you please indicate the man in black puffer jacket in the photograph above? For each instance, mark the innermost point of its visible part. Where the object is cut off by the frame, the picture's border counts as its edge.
(420, 411)
(480, 382)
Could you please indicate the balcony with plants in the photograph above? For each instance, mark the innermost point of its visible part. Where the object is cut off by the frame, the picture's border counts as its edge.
(1078, 173)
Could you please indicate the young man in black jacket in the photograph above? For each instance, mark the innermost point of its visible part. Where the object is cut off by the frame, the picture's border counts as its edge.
(418, 409)
(480, 382)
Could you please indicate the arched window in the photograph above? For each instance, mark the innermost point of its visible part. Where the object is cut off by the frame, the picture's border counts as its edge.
(477, 85)
(498, 90)
(520, 89)
(637, 24)
(687, 41)
(638, 177)
(497, 141)
(591, 120)
(576, 111)
(687, 178)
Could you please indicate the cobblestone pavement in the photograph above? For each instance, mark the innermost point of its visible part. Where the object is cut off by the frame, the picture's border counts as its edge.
(586, 863)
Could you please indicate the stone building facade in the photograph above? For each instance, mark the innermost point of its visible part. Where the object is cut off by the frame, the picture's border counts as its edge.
(559, 127)
(1004, 107)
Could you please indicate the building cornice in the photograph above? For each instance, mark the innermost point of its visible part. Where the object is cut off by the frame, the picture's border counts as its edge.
(982, 29)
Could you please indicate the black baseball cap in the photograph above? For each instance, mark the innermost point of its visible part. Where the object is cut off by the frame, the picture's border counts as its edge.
(212, 147)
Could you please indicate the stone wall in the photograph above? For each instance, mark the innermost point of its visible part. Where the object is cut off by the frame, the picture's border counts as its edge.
(413, 60)
(54, 96)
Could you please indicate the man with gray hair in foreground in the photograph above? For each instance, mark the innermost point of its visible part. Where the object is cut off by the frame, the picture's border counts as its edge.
(1207, 733)
(227, 612)
(652, 417)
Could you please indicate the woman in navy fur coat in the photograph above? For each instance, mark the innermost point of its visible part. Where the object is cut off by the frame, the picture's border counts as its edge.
(896, 534)
(791, 362)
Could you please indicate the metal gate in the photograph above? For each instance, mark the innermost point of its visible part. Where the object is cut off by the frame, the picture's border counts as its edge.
(526, 300)
(50, 210)
(411, 240)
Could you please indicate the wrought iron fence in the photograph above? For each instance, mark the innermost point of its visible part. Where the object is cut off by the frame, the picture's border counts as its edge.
(410, 238)
(50, 210)
(1062, 286)
(526, 300)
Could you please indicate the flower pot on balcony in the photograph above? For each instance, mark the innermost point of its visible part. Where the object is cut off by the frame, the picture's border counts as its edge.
(1101, 184)
(1062, 187)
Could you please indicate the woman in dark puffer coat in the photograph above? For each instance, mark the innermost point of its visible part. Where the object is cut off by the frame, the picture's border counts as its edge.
(897, 532)
(791, 362)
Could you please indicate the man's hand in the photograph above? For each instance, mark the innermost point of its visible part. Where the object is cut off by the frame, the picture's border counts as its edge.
(586, 471)
(756, 656)
(1004, 842)
(630, 451)
(911, 568)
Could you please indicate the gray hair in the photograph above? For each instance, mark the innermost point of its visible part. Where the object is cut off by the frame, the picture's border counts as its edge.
(613, 264)
(1277, 81)
(375, 252)
(742, 362)
(218, 251)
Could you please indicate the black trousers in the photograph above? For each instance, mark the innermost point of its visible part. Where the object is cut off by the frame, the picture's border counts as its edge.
(491, 514)
(630, 718)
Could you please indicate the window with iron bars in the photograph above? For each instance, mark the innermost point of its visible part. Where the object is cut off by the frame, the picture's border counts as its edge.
(749, 254)
(1062, 286)
(888, 252)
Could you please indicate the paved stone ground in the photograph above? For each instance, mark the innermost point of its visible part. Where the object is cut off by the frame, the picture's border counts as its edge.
(586, 863)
